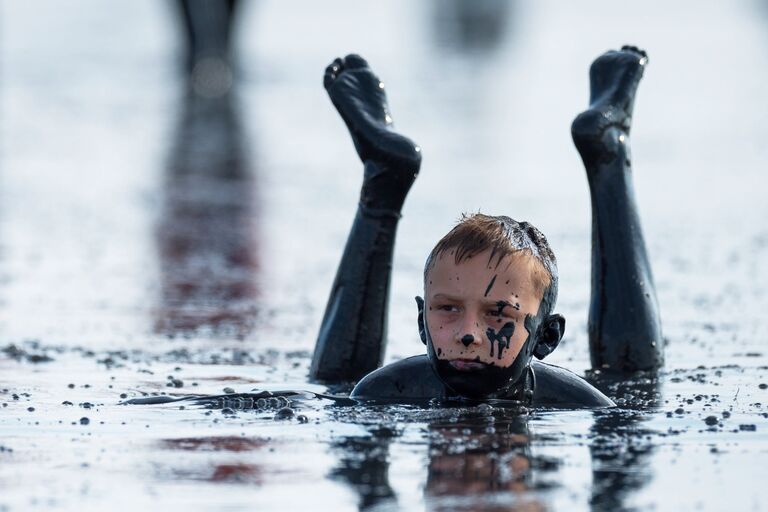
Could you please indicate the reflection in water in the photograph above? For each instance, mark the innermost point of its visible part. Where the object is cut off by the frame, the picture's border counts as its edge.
(471, 26)
(481, 456)
(216, 470)
(206, 233)
(621, 448)
(477, 458)
(364, 465)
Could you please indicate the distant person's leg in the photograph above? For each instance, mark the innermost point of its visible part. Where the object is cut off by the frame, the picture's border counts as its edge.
(624, 324)
(351, 341)
(209, 26)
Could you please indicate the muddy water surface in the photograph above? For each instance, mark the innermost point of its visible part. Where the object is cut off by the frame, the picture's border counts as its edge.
(154, 244)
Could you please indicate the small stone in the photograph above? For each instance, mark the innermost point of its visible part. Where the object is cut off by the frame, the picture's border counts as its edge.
(227, 410)
(302, 419)
(711, 420)
(679, 410)
(763, 385)
(748, 428)
(229, 391)
(84, 421)
(31, 409)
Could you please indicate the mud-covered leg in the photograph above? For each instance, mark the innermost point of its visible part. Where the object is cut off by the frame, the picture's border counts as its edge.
(624, 324)
(351, 341)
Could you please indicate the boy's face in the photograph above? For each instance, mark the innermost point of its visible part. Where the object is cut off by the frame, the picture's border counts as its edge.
(476, 311)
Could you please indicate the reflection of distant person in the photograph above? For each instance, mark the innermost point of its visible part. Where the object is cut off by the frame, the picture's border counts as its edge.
(491, 283)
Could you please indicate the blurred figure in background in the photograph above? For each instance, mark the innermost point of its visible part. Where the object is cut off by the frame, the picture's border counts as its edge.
(208, 26)
(206, 232)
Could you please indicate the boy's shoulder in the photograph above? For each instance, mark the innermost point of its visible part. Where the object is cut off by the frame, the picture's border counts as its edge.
(410, 378)
(559, 387)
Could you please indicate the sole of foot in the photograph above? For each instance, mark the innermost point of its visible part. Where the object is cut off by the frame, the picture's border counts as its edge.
(359, 97)
(614, 77)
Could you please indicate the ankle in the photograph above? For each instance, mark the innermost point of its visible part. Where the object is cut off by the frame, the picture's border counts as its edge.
(385, 187)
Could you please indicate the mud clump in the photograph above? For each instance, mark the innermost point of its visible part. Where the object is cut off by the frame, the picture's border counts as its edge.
(175, 383)
(285, 413)
(31, 355)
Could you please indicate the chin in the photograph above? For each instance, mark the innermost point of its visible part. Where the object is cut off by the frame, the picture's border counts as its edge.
(471, 378)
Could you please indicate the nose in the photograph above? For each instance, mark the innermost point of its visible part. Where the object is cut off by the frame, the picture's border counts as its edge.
(469, 334)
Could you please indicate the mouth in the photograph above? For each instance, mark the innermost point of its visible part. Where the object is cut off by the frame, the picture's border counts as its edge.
(466, 365)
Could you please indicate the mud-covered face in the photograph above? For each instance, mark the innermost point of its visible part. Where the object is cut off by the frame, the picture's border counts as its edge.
(479, 316)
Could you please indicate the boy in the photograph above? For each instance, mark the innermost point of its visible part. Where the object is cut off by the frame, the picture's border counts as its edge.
(491, 283)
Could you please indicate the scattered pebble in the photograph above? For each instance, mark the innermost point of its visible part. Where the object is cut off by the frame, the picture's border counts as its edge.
(711, 420)
(84, 421)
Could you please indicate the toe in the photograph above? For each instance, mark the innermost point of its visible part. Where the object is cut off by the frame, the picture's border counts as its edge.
(332, 71)
(328, 78)
(635, 49)
(354, 61)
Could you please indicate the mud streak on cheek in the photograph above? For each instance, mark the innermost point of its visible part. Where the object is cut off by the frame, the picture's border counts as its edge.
(502, 338)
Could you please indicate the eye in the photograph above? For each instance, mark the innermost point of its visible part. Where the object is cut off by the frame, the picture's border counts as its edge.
(499, 313)
(449, 308)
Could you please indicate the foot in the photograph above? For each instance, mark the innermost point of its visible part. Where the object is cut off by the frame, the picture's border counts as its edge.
(392, 160)
(614, 77)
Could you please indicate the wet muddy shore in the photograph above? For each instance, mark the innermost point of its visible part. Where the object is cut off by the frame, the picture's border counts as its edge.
(155, 245)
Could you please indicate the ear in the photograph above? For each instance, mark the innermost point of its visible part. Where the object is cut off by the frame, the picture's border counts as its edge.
(551, 332)
(420, 319)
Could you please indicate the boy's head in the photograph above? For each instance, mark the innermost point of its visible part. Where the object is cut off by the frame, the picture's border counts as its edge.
(490, 285)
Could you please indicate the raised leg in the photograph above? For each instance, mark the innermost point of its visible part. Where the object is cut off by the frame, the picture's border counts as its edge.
(352, 336)
(624, 324)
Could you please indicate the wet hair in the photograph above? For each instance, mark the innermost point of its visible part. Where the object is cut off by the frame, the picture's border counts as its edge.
(503, 236)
